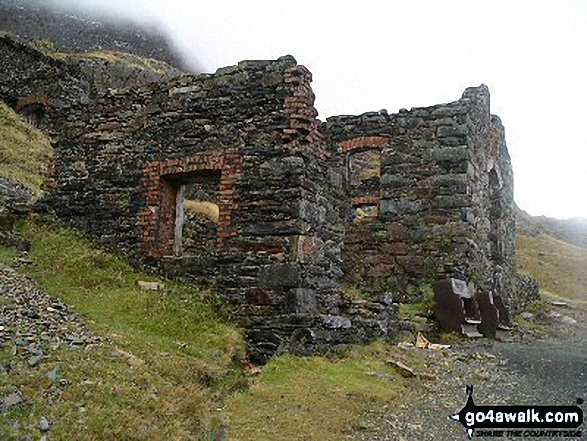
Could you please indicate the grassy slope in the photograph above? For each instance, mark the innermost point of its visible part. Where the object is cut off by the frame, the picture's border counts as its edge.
(183, 353)
(23, 150)
(560, 267)
(319, 398)
(182, 366)
(186, 363)
(126, 59)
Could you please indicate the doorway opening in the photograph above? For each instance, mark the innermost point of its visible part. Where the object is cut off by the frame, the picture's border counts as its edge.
(196, 212)
(33, 114)
(495, 215)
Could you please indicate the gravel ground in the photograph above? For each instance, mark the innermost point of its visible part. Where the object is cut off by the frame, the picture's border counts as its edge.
(545, 369)
(32, 323)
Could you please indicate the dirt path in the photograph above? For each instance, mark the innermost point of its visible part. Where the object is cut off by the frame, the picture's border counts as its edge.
(551, 370)
(557, 365)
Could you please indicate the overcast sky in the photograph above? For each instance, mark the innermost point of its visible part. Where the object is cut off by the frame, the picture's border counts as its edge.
(371, 55)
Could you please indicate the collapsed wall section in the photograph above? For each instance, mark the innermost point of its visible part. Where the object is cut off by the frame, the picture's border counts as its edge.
(35, 85)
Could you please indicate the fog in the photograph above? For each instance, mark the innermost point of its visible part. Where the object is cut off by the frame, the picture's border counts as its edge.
(392, 54)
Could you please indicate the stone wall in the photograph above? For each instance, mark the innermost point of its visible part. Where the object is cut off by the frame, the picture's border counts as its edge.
(422, 208)
(386, 203)
(31, 79)
(124, 159)
(526, 291)
(46, 83)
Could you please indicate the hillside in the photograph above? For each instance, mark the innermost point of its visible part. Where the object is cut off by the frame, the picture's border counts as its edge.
(82, 33)
(101, 70)
(572, 231)
(560, 267)
(112, 69)
(554, 252)
(24, 151)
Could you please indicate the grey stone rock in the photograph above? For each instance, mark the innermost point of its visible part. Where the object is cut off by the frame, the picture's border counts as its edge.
(286, 275)
(452, 131)
(35, 360)
(38, 323)
(568, 321)
(399, 207)
(395, 181)
(54, 374)
(452, 201)
(336, 322)
(385, 298)
(303, 301)
(44, 425)
(449, 154)
(12, 400)
(402, 369)
(222, 433)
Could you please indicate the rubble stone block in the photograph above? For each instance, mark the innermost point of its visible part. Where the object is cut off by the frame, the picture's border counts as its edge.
(280, 275)
(489, 314)
(303, 301)
(448, 305)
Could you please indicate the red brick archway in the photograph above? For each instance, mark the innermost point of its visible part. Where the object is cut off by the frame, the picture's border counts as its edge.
(32, 108)
(158, 218)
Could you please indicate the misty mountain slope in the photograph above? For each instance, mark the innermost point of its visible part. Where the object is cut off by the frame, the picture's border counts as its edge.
(112, 69)
(570, 230)
(560, 267)
(573, 231)
(79, 33)
(102, 70)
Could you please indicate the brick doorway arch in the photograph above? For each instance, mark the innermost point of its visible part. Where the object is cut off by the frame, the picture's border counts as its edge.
(165, 184)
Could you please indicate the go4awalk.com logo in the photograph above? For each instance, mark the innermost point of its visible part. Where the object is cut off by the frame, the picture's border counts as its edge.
(520, 421)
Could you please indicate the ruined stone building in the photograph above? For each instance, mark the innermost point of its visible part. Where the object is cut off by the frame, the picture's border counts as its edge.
(231, 179)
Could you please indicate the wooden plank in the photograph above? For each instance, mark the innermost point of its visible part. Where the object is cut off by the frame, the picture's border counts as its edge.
(179, 220)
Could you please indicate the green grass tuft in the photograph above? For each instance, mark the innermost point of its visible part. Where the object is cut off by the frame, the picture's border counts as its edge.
(7, 255)
(316, 398)
(24, 150)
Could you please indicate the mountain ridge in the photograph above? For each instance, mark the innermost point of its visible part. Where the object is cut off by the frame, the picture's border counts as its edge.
(83, 32)
(572, 231)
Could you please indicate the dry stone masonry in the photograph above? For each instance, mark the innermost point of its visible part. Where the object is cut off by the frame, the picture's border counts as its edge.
(231, 180)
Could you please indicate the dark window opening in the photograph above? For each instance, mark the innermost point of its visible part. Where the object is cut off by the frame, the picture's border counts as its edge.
(33, 114)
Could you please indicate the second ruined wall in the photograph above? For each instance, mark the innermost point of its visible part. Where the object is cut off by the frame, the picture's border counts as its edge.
(420, 197)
